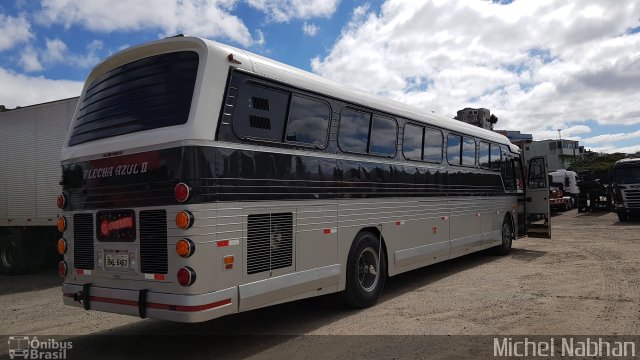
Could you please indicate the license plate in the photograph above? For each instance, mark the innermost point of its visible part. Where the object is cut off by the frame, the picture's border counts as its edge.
(117, 260)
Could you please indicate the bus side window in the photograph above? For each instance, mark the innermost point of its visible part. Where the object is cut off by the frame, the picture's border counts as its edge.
(260, 113)
(468, 151)
(353, 133)
(483, 156)
(495, 158)
(308, 121)
(412, 141)
(508, 174)
(384, 132)
(454, 149)
(432, 145)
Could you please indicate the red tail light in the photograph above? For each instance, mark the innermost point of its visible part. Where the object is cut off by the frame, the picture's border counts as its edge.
(62, 201)
(62, 269)
(186, 276)
(182, 192)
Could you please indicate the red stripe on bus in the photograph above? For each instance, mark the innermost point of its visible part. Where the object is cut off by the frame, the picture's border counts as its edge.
(223, 243)
(182, 308)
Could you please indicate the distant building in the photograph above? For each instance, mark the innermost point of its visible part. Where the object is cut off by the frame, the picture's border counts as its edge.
(516, 137)
(478, 117)
(560, 153)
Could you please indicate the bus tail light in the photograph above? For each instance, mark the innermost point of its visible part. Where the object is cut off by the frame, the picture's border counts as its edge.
(62, 224)
(185, 248)
(61, 201)
(62, 269)
(186, 276)
(62, 246)
(184, 219)
(182, 192)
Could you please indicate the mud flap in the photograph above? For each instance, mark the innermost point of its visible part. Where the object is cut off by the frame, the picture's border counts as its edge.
(86, 297)
(142, 303)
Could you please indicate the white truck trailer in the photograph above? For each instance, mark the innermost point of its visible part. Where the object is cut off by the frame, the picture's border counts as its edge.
(31, 138)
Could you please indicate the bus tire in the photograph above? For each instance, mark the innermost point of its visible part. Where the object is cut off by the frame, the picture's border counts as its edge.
(365, 283)
(12, 257)
(506, 234)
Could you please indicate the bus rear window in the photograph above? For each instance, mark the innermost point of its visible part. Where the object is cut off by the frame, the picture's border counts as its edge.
(146, 94)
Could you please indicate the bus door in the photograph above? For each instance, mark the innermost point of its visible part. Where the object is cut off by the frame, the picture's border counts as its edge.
(536, 196)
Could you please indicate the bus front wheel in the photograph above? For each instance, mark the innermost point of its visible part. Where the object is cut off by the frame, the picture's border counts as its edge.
(507, 238)
(366, 271)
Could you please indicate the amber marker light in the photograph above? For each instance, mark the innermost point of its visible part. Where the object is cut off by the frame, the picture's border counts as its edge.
(184, 219)
(62, 269)
(228, 262)
(62, 224)
(62, 246)
(185, 248)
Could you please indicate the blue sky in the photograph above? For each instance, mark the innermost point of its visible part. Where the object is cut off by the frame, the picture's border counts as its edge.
(539, 66)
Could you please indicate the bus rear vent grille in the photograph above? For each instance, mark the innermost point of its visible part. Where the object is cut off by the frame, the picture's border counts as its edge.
(83, 257)
(260, 103)
(269, 242)
(153, 242)
(260, 122)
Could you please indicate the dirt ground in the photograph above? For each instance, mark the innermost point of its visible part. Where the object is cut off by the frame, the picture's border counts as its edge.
(585, 280)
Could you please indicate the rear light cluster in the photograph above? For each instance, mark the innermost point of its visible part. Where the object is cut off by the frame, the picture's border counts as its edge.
(62, 246)
(185, 248)
(182, 192)
(186, 276)
(62, 269)
(62, 224)
(61, 201)
(184, 219)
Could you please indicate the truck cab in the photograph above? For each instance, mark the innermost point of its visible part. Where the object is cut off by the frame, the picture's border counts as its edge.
(627, 188)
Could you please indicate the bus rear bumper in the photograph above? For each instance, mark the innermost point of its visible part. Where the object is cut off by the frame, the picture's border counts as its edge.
(172, 307)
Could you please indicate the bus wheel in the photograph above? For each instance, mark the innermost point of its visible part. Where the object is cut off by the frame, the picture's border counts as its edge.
(507, 238)
(366, 271)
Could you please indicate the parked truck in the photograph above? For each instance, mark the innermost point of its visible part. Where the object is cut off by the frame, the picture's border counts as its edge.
(569, 181)
(627, 188)
(30, 142)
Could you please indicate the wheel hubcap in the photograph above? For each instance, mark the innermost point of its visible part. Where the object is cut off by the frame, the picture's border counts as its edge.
(367, 269)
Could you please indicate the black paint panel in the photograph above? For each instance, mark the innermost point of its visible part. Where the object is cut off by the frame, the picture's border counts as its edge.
(219, 174)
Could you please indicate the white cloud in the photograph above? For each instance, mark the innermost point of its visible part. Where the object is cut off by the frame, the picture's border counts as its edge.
(538, 65)
(286, 10)
(13, 31)
(310, 29)
(610, 149)
(206, 18)
(29, 60)
(34, 90)
(609, 138)
(57, 52)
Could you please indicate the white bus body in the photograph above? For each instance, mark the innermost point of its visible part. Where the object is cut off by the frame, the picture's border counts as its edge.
(286, 185)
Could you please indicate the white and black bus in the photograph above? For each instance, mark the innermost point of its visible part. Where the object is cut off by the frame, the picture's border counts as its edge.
(200, 180)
